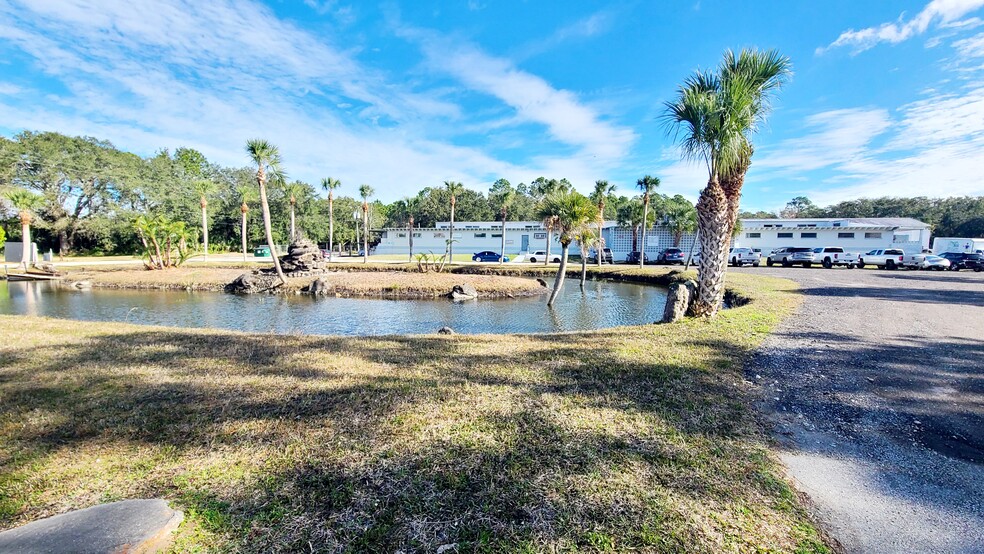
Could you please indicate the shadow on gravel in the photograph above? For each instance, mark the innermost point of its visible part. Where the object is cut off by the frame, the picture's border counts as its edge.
(900, 294)
(935, 277)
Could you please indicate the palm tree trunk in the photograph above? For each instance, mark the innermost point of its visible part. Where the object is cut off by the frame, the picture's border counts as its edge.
(268, 230)
(642, 250)
(600, 248)
(451, 234)
(502, 250)
(635, 238)
(293, 230)
(561, 273)
(26, 251)
(365, 234)
(714, 234)
(331, 222)
(242, 233)
(584, 266)
(411, 238)
(204, 229)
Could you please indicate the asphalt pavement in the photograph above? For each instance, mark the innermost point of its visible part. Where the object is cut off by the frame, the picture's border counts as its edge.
(875, 389)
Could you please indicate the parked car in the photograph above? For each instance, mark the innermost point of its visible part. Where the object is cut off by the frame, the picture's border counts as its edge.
(791, 255)
(488, 256)
(830, 256)
(633, 258)
(890, 258)
(606, 256)
(939, 263)
(541, 255)
(960, 260)
(741, 256)
(671, 256)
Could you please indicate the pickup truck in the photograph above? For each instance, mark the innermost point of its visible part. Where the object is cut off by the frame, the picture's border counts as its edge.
(830, 256)
(741, 256)
(890, 258)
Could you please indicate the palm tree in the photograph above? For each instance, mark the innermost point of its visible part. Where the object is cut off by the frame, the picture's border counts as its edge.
(506, 198)
(571, 212)
(598, 196)
(630, 215)
(412, 206)
(291, 190)
(266, 156)
(246, 195)
(585, 238)
(25, 202)
(647, 185)
(365, 191)
(681, 218)
(330, 184)
(204, 188)
(454, 188)
(714, 117)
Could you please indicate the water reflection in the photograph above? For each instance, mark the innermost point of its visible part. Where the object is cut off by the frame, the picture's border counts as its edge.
(601, 304)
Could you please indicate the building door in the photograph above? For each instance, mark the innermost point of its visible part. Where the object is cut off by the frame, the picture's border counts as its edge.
(526, 243)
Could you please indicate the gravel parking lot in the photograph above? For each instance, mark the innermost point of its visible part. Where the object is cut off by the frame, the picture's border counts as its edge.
(876, 391)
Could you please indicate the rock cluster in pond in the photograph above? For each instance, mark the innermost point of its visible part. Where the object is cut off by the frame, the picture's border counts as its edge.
(303, 258)
(250, 283)
(318, 287)
(463, 292)
(678, 300)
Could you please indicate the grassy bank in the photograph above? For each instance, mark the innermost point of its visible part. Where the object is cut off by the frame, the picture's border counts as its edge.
(629, 438)
(383, 280)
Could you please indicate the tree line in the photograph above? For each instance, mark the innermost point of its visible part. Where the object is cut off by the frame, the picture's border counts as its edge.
(84, 195)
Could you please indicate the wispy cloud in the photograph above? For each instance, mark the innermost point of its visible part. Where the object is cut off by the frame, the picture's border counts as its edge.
(588, 27)
(940, 13)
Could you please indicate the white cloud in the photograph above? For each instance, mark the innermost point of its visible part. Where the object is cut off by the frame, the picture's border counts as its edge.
(533, 99)
(944, 13)
(833, 137)
(972, 47)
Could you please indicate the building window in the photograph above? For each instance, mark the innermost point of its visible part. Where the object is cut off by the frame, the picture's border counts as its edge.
(845, 235)
(497, 235)
(808, 235)
(753, 235)
(785, 235)
(902, 238)
(401, 235)
(440, 235)
(539, 236)
(480, 235)
(417, 235)
(872, 235)
(837, 224)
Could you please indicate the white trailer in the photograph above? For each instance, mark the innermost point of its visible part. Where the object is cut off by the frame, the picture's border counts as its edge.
(956, 244)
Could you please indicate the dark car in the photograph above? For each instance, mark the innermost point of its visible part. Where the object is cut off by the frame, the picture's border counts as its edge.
(488, 256)
(633, 258)
(606, 256)
(672, 256)
(960, 260)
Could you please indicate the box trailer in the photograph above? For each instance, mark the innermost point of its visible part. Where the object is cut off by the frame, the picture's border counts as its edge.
(957, 244)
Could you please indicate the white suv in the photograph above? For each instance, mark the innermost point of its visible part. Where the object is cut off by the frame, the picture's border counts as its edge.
(889, 259)
(541, 255)
(741, 256)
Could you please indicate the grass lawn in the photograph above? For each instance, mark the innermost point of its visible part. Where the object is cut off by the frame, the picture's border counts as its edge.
(636, 438)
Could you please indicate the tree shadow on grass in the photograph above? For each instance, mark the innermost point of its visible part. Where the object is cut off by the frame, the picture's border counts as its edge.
(390, 443)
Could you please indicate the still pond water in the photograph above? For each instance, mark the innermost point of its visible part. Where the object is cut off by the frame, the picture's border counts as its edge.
(602, 304)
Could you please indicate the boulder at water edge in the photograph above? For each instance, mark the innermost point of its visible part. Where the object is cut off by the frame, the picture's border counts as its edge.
(678, 300)
(318, 287)
(249, 283)
(463, 292)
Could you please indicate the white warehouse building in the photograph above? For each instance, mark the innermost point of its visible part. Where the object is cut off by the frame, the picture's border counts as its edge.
(524, 237)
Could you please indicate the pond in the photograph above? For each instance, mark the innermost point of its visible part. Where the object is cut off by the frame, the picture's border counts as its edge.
(601, 304)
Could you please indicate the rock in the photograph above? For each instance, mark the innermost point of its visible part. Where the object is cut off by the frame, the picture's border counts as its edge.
(303, 258)
(81, 285)
(445, 331)
(542, 282)
(249, 283)
(463, 292)
(126, 526)
(678, 300)
(318, 287)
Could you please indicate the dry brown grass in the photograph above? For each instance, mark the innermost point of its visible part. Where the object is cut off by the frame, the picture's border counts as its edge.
(392, 283)
(634, 438)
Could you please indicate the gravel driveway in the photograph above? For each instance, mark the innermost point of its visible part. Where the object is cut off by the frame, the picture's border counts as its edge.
(876, 390)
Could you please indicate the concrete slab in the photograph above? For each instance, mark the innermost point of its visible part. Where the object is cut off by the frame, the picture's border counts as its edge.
(128, 526)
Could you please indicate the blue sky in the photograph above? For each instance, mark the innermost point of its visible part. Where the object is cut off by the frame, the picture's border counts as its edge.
(887, 97)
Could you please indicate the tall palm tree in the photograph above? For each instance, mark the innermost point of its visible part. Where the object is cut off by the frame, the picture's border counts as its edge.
(506, 198)
(454, 188)
(365, 191)
(647, 185)
(26, 203)
(630, 215)
(330, 184)
(681, 218)
(246, 195)
(291, 190)
(412, 206)
(586, 238)
(714, 117)
(599, 196)
(571, 212)
(267, 158)
(204, 188)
